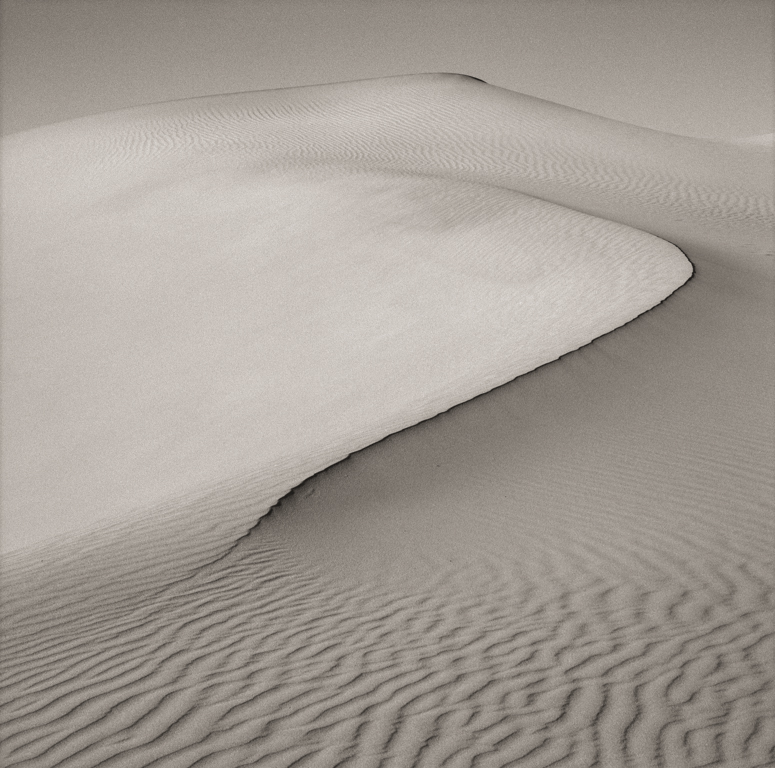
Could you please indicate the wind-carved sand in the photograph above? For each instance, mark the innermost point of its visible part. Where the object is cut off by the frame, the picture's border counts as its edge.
(220, 297)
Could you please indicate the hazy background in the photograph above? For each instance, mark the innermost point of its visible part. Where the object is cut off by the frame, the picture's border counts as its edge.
(697, 67)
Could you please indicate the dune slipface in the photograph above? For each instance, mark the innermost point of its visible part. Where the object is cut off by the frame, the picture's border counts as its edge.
(222, 296)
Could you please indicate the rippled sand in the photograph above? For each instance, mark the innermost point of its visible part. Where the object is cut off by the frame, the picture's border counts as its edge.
(223, 296)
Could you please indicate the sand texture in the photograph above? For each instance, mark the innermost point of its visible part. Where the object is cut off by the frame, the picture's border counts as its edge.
(208, 302)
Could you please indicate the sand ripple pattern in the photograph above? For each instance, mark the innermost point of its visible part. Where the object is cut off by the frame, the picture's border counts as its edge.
(262, 659)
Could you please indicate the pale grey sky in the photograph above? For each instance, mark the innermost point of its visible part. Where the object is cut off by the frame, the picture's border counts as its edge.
(698, 67)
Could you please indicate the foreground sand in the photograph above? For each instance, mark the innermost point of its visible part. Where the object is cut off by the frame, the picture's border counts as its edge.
(575, 569)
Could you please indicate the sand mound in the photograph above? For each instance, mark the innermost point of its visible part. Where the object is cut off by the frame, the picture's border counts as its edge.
(210, 290)
(572, 570)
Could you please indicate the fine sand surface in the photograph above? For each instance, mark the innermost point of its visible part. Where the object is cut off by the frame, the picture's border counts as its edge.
(208, 301)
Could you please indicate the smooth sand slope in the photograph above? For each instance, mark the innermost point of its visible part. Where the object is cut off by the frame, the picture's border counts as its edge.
(214, 288)
(232, 293)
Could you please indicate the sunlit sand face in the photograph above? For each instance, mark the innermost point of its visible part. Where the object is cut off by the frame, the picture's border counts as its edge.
(208, 302)
(214, 289)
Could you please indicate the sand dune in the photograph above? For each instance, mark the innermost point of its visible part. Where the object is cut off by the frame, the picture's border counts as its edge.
(574, 569)
(211, 289)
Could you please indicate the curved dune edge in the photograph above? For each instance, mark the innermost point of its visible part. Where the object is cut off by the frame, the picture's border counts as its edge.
(597, 591)
(275, 280)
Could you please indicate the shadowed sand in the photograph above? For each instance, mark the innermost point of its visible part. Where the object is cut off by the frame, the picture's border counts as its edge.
(574, 569)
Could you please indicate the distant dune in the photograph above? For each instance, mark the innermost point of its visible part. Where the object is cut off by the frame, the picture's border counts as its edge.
(207, 302)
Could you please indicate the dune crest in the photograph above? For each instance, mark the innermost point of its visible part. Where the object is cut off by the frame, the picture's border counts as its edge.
(572, 570)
